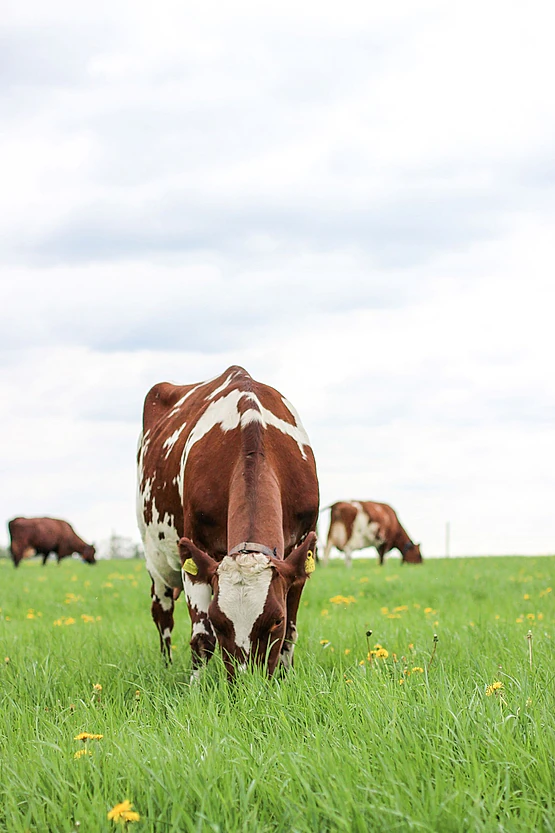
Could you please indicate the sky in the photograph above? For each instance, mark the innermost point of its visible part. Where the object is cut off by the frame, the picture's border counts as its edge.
(353, 201)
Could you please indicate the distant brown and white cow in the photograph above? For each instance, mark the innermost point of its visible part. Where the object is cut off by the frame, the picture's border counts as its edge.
(227, 505)
(41, 536)
(355, 525)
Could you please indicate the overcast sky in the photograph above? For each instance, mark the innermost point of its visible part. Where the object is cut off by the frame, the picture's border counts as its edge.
(354, 201)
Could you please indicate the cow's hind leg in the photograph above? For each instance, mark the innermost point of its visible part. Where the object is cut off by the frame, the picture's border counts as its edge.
(162, 614)
(327, 550)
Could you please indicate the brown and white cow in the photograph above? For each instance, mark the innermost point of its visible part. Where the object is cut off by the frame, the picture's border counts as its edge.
(227, 505)
(355, 525)
(41, 536)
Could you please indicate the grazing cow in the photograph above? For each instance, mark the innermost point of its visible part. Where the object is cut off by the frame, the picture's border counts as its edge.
(358, 524)
(227, 505)
(41, 536)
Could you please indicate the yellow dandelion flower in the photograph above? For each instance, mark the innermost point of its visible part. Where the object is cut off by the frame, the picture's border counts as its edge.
(123, 813)
(382, 653)
(347, 651)
(417, 669)
(526, 596)
(411, 646)
(428, 610)
(87, 736)
(30, 616)
(81, 752)
(58, 622)
(540, 616)
(530, 616)
(348, 681)
(324, 642)
(6, 659)
(86, 618)
(361, 662)
(519, 621)
(137, 695)
(400, 608)
(324, 612)
(97, 687)
(401, 681)
(69, 621)
(491, 689)
(393, 615)
(384, 610)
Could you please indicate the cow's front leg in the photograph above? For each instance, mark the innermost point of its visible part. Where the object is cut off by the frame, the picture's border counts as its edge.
(203, 638)
(288, 647)
(162, 614)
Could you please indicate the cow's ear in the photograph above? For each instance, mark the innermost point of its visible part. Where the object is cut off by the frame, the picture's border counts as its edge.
(198, 565)
(301, 562)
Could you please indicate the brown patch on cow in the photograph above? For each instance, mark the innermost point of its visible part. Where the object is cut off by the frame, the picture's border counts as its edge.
(42, 536)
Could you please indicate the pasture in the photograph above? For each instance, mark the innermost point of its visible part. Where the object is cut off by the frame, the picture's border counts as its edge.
(399, 739)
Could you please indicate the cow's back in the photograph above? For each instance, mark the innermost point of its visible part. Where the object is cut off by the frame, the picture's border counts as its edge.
(383, 515)
(194, 439)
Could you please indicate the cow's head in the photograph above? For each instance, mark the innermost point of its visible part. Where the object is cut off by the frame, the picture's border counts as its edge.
(248, 610)
(88, 554)
(411, 553)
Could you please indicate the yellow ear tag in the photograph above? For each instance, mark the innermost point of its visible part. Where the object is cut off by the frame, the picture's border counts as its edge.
(190, 567)
(309, 565)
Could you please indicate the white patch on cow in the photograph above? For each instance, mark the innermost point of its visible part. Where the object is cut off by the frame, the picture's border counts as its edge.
(161, 553)
(338, 534)
(199, 595)
(222, 387)
(252, 416)
(242, 668)
(244, 582)
(172, 439)
(189, 393)
(196, 675)
(365, 532)
(199, 628)
(167, 633)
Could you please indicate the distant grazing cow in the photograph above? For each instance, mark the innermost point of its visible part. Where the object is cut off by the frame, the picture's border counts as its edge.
(227, 505)
(41, 536)
(360, 524)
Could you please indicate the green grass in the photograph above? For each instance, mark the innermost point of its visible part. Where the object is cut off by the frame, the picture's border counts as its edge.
(340, 745)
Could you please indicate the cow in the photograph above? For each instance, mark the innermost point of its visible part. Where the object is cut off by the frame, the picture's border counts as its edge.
(227, 507)
(41, 536)
(358, 524)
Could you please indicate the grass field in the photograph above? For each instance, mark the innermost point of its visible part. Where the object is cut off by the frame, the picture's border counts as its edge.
(405, 741)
